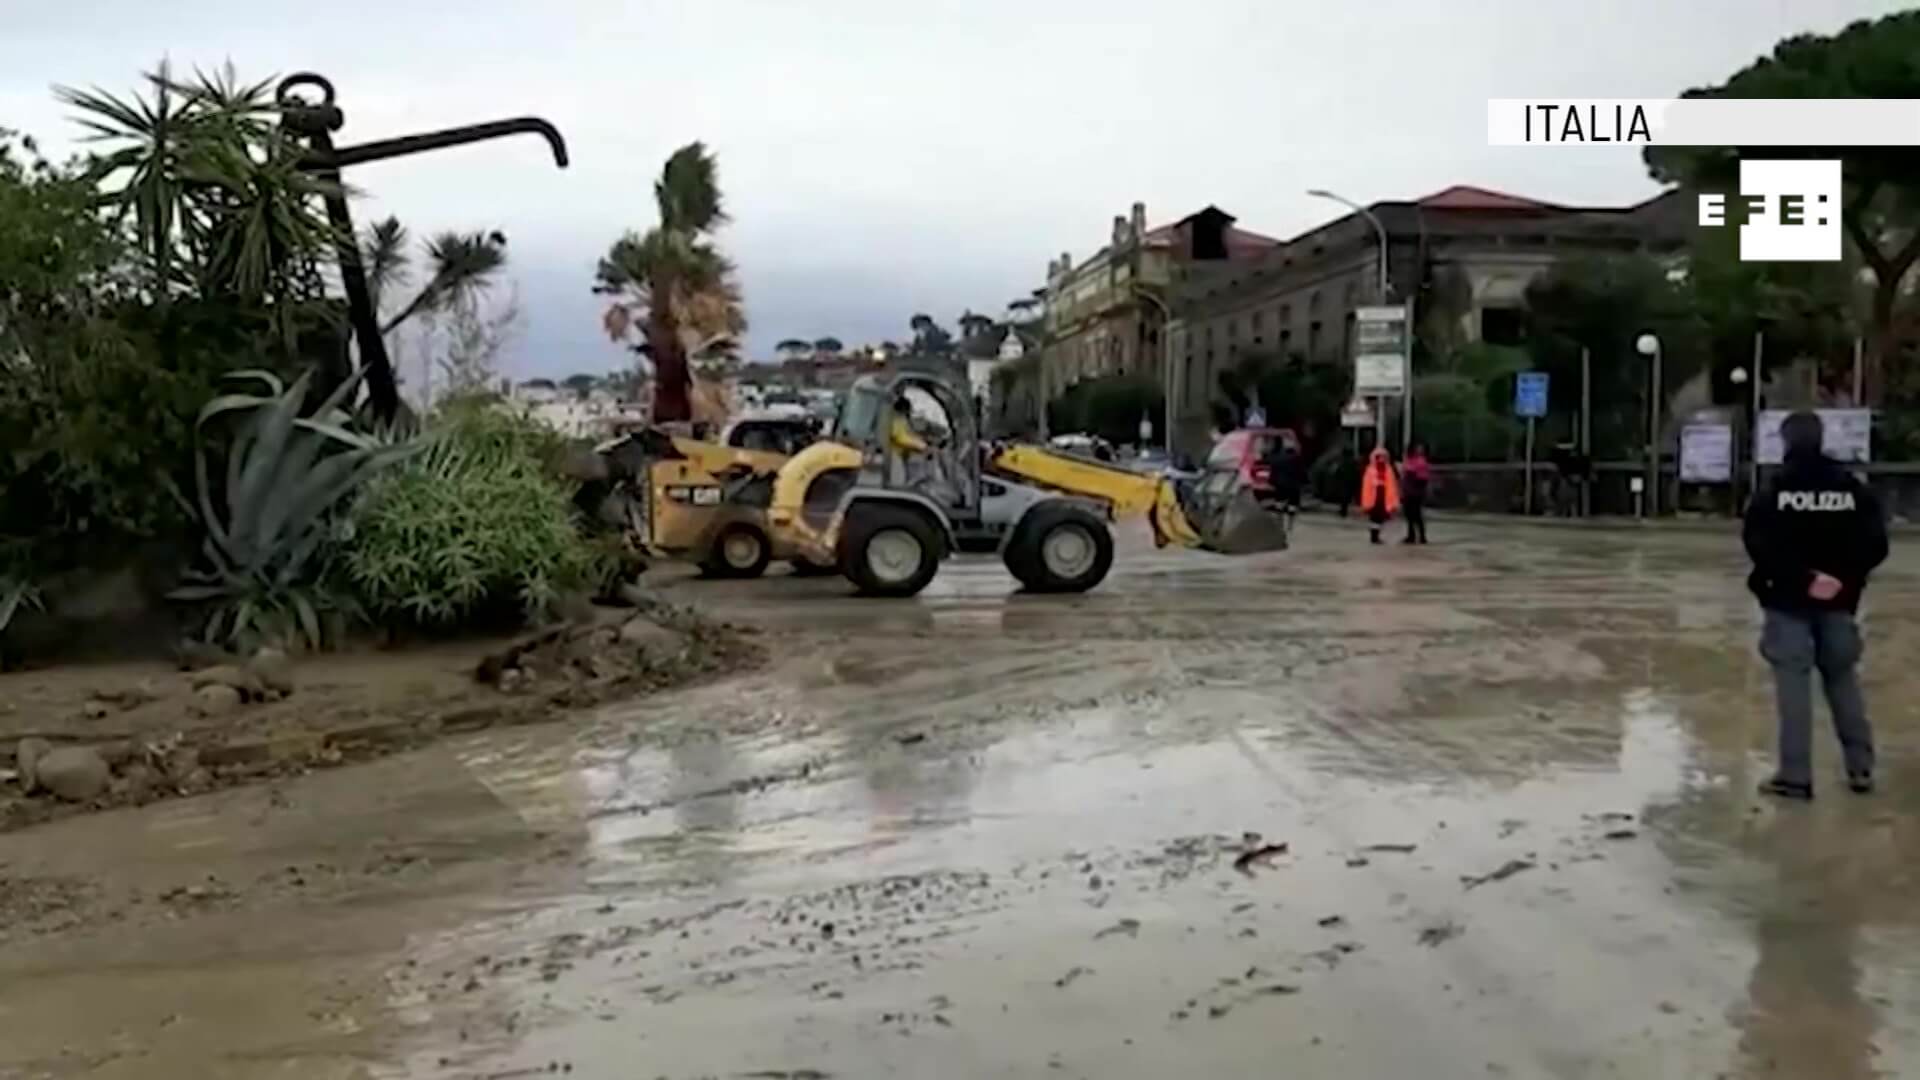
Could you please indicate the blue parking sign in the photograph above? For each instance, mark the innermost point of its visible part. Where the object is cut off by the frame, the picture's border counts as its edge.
(1530, 395)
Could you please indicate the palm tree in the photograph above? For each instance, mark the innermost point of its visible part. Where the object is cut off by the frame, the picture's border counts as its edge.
(671, 284)
(219, 200)
(462, 266)
(829, 346)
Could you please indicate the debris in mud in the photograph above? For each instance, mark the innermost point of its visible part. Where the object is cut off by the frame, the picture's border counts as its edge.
(1506, 870)
(1333, 955)
(1440, 933)
(1358, 861)
(1394, 849)
(1259, 856)
(1333, 921)
(1621, 834)
(1129, 927)
(1074, 973)
(911, 738)
(352, 709)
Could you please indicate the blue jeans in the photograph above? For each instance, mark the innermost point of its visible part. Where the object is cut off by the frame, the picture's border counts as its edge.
(1795, 643)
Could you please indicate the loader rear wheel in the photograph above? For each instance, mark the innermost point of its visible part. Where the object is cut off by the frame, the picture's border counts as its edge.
(889, 550)
(1060, 548)
(740, 551)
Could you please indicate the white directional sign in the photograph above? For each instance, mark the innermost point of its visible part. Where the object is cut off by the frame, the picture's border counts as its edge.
(1380, 351)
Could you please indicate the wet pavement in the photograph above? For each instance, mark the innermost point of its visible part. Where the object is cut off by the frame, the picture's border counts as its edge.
(1477, 809)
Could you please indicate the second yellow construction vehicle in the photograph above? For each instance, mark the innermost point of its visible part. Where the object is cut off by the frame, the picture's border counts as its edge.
(905, 481)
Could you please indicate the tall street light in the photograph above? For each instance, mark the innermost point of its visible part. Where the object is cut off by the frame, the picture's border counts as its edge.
(1378, 230)
(1406, 391)
(1648, 345)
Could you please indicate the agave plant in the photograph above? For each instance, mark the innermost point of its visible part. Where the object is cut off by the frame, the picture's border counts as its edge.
(268, 522)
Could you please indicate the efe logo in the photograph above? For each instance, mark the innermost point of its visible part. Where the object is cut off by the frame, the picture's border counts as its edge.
(1792, 211)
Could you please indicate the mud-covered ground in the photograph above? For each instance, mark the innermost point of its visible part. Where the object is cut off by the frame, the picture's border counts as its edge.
(1478, 809)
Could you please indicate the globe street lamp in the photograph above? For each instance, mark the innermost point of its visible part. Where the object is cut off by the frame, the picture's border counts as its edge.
(1649, 346)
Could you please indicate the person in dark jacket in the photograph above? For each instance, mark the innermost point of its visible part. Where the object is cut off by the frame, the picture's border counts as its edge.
(1416, 480)
(1814, 534)
(1287, 473)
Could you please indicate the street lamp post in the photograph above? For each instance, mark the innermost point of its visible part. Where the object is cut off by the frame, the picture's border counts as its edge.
(1381, 289)
(1648, 345)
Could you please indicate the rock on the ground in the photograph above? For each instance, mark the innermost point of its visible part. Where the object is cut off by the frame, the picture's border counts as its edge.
(95, 709)
(130, 697)
(27, 756)
(272, 669)
(216, 699)
(650, 637)
(74, 773)
(240, 680)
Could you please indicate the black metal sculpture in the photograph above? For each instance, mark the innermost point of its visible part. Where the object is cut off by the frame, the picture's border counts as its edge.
(316, 122)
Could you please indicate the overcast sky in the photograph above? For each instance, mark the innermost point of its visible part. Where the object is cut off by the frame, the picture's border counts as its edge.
(882, 157)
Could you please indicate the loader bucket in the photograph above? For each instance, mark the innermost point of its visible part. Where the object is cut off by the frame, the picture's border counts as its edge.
(1244, 527)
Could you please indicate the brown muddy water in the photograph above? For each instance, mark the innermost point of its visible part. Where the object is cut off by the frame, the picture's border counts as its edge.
(1478, 809)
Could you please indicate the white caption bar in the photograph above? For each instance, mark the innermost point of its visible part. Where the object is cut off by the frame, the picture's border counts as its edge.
(1703, 121)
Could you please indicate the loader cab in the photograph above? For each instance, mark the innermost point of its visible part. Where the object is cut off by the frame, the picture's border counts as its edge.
(917, 433)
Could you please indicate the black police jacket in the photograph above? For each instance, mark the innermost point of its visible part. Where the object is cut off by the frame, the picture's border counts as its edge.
(1813, 517)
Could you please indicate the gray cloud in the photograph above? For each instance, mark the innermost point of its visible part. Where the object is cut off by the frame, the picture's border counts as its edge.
(885, 157)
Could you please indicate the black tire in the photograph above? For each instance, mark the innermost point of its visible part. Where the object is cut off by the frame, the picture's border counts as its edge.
(738, 551)
(890, 526)
(1048, 526)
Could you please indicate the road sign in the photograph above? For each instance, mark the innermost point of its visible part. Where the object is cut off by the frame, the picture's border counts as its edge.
(1380, 351)
(1356, 414)
(1706, 454)
(1530, 395)
(1847, 435)
(1256, 417)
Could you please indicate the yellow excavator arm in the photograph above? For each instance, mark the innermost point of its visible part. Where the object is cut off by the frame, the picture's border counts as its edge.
(1126, 493)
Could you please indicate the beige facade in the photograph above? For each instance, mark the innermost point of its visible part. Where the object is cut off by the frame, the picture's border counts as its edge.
(1106, 315)
(1473, 251)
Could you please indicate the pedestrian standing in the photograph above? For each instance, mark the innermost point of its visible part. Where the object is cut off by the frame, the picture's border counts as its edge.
(1379, 491)
(1346, 478)
(1286, 474)
(1416, 479)
(1814, 533)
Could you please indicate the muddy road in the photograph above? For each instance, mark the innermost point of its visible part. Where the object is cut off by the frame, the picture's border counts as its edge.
(1479, 809)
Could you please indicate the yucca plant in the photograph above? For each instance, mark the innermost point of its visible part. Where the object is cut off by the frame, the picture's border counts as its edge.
(268, 521)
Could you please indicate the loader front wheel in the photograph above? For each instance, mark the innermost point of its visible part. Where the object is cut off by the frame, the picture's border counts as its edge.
(889, 550)
(1060, 548)
(740, 551)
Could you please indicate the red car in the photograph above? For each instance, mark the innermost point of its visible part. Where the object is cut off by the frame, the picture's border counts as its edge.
(1246, 451)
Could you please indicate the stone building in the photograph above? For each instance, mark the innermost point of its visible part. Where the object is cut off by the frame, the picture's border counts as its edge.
(1467, 252)
(1106, 315)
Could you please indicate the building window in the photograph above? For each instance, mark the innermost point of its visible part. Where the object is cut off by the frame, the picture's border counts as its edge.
(1352, 294)
(1286, 315)
(1286, 344)
(1313, 301)
(1233, 329)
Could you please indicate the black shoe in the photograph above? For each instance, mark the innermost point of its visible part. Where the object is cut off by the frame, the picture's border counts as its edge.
(1787, 789)
(1860, 783)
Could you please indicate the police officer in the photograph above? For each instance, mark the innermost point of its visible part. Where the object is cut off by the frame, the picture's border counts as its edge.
(1814, 534)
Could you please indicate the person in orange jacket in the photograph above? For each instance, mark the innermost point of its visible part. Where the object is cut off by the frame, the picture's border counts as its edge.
(1379, 490)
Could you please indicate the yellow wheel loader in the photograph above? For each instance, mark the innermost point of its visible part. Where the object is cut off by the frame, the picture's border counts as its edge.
(906, 481)
(705, 502)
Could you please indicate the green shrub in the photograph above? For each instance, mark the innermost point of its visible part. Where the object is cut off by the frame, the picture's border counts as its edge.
(476, 522)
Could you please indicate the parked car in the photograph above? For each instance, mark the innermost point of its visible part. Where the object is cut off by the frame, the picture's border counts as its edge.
(1246, 450)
